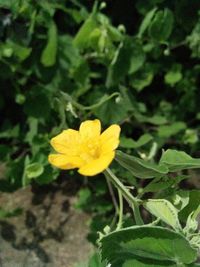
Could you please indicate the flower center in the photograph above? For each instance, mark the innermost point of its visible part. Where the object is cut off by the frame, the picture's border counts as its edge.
(90, 150)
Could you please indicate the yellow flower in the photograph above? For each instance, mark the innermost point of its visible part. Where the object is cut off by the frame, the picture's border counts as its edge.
(87, 149)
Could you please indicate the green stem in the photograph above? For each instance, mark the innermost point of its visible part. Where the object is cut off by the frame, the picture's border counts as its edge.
(136, 211)
(120, 211)
(133, 202)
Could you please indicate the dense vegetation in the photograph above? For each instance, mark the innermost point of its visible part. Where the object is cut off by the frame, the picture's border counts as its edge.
(134, 63)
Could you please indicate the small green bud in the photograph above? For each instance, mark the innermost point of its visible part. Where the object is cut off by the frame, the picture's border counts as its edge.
(166, 52)
(121, 28)
(103, 5)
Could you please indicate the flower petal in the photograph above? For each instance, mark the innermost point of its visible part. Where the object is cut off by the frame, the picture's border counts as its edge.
(90, 129)
(110, 139)
(66, 142)
(98, 165)
(65, 162)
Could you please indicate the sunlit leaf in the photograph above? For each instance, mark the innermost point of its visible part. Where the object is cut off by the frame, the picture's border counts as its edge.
(178, 160)
(163, 210)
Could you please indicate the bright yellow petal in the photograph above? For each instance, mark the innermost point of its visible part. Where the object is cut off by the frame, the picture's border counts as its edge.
(65, 162)
(90, 129)
(110, 139)
(66, 142)
(98, 165)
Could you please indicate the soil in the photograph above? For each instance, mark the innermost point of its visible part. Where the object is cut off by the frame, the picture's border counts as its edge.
(49, 231)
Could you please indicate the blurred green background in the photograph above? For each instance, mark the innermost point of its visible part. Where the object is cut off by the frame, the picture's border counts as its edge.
(135, 63)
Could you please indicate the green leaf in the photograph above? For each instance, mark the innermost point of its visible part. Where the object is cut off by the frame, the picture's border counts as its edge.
(147, 263)
(81, 39)
(139, 167)
(47, 176)
(146, 243)
(166, 131)
(8, 3)
(95, 261)
(156, 120)
(130, 143)
(48, 57)
(11, 132)
(137, 57)
(161, 26)
(191, 225)
(180, 199)
(142, 78)
(21, 52)
(9, 213)
(194, 202)
(84, 196)
(34, 170)
(178, 160)
(156, 186)
(164, 210)
(33, 130)
(146, 21)
(191, 136)
(112, 111)
(128, 59)
(174, 75)
(194, 41)
(36, 98)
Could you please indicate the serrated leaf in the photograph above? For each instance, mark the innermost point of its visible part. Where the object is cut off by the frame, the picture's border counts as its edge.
(178, 160)
(139, 167)
(143, 243)
(164, 210)
(48, 57)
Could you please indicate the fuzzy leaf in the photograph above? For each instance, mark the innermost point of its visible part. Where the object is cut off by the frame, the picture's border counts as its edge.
(178, 160)
(146, 244)
(164, 210)
(139, 167)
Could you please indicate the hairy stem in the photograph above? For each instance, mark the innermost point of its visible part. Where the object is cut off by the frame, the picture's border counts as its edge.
(133, 202)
